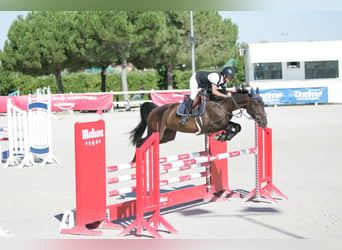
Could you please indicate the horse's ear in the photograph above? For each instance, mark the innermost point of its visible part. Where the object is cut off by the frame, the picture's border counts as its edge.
(252, 91)
(257, 91)
(237, 88)
(243, 89)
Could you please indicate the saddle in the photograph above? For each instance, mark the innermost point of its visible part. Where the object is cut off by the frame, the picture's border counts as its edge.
(198, 109)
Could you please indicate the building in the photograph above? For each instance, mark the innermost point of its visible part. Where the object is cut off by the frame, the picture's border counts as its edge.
(289, 66)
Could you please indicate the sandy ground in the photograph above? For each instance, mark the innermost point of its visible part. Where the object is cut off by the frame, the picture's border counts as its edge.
(307, 151)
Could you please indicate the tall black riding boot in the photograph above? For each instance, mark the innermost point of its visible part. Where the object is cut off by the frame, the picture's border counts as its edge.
(188, 108)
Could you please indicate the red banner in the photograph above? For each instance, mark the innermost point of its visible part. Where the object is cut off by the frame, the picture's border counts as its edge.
(161, 98)
(81, 102)
(61, 102)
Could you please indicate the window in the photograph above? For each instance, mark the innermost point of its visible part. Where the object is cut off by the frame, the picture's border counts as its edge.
(267, 71)
(321, 69)
(293, 65)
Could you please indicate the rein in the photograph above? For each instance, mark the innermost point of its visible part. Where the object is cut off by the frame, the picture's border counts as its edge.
(240, 113)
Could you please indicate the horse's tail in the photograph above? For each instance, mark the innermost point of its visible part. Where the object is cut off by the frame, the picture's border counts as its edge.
(137, 133)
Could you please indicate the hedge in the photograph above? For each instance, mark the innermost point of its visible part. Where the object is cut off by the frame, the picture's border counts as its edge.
(87, 82)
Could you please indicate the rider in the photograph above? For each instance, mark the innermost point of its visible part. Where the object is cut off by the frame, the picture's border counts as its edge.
(208, 80)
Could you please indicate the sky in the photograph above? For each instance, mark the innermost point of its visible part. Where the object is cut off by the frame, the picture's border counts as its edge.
(255, 26)
(6, 19)
(286, 26)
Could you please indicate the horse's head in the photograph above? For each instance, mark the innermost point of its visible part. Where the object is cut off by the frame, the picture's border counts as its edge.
(255, 108)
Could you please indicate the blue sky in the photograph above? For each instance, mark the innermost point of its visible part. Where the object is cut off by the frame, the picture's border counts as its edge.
(255, 26)
(291, 26)
(6, 19)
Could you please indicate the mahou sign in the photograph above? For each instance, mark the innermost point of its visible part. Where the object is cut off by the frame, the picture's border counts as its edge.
(90, 141)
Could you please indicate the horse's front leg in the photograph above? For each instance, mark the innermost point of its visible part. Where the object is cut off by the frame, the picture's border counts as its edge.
(231, 130)
(234, 129)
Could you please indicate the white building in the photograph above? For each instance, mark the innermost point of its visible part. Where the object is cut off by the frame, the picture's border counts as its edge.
(296, 65)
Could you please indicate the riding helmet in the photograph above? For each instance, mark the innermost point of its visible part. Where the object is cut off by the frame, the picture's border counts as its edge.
(228, 72)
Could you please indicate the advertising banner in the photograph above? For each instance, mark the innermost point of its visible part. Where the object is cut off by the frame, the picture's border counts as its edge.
(161, 98)
(294, 95)
(81, 102)
(90, 167)
(62, 102)
(270, 96)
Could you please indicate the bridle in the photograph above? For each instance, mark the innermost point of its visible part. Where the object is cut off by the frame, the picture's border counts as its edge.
(241, 113)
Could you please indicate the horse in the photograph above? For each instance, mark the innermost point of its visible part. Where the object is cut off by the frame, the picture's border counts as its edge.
(216, 117)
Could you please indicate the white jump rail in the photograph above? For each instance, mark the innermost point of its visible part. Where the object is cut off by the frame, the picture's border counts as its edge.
(176, 163)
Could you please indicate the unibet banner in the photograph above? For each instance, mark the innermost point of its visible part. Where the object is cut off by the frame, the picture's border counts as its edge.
(294, 95)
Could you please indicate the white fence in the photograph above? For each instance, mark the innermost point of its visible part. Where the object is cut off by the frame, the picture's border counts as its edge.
(18, 145)
(29, 132)
(127, 104)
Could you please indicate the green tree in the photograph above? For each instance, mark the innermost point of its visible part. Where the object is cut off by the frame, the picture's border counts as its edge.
(146, 40)
(38, 45)
(215, 43)
(149, 35)
(94, 35)
(7, 80)
(215, 40)
(109, 36)
(176, 49)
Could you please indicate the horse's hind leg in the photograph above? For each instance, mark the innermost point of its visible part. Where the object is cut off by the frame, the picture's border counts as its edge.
(168, 135)
(139, 143)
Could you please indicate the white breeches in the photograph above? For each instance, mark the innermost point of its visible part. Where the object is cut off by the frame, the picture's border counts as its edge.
(193, 86)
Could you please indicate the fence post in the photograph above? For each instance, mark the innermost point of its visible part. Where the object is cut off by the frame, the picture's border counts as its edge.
(264, 176)
(148, 189)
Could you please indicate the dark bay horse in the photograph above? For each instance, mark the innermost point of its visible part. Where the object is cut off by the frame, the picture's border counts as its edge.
(216, 117)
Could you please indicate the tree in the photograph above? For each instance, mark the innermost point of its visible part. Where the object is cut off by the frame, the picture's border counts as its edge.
(93, 44)
(48, 42)
(215, 42)
(109, 36)
(38, 45)
(176, 48)
(7, 80)
(138, 39)
(149, 35)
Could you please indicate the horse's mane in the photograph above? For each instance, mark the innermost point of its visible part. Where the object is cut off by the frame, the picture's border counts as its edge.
(240, 90)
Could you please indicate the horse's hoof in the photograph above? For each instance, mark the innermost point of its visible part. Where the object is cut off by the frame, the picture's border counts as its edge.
(218, 137)
(223, 137)
(229, 137)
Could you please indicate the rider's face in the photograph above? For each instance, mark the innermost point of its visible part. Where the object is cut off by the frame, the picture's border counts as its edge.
(228, 79)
